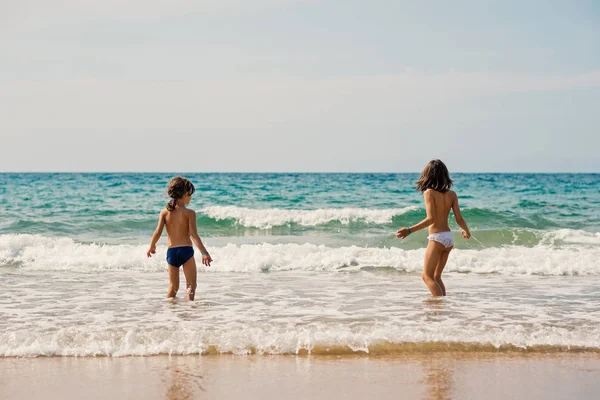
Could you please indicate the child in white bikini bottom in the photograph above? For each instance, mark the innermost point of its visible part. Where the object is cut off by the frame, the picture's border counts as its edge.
(445, 238)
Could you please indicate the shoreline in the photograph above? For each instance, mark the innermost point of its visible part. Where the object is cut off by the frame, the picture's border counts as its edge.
(403, 350)
(432, 375)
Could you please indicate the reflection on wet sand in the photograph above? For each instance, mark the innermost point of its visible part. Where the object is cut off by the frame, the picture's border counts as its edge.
(438, 372)
(438, 377)
(181, 385)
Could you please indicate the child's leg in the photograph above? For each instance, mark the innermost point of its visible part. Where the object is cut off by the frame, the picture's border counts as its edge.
(189, 270)
(432, 257)
(437, 275)
(173, 281)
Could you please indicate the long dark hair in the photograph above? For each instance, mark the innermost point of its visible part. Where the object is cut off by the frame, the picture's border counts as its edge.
(435, 176)
(178, 187)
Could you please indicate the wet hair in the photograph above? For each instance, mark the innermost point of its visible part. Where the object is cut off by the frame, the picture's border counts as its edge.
(435, 176)
(177, 188)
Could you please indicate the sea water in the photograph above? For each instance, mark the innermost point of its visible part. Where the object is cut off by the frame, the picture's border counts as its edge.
(303, 263)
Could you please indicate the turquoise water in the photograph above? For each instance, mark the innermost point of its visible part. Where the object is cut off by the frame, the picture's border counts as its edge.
(303, 263)
(111, 208)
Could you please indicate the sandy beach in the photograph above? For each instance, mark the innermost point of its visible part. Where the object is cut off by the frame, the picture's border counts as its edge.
(418, 376)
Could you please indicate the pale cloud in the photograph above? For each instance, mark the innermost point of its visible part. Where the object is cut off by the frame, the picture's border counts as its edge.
(248, 104)
(461, 82)
(28, 14)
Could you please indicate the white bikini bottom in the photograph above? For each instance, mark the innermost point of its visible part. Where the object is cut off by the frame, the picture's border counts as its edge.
(445, 238)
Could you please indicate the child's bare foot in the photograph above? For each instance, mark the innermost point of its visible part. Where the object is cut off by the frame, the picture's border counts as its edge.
(190, 293)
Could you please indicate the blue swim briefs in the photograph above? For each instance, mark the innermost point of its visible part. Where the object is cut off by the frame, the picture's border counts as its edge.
(177, 256)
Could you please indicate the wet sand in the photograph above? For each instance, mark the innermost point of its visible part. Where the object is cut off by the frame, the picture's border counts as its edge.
(411, 376)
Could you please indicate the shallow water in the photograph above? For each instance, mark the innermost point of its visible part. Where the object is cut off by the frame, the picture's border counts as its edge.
(304, 263)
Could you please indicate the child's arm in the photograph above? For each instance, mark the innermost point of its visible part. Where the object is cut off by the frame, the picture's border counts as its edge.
(429, 219)
(157, 233)
(459, 218)
(206, 260)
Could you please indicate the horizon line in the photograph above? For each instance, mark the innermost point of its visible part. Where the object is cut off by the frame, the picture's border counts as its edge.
(291, 172)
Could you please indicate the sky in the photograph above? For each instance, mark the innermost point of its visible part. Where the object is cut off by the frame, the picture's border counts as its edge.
(299, 85)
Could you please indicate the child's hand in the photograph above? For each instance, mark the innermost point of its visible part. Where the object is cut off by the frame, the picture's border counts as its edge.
(151, 250)
(466, 234)
(402, 233)
(206, 260)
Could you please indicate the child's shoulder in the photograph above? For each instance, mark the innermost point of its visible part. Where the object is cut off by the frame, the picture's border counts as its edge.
(452, 194)
(432, 192)
(189, 212)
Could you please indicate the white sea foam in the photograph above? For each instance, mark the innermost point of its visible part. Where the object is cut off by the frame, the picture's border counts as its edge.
(42, 253)
(572, 236)
(309, 308)
(268, 218)
(39, 252)
(282, 340)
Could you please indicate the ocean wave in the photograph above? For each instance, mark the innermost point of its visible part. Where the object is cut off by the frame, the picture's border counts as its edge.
(273, 217)
(64, 254)
(268, 218)
(236, 221)
(247, 340)
(572, 236)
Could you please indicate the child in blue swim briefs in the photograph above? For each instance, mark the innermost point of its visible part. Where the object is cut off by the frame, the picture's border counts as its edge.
(181, 230)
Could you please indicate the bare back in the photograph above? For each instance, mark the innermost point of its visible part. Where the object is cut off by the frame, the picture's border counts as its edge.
(178, 226)
(442, 204)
